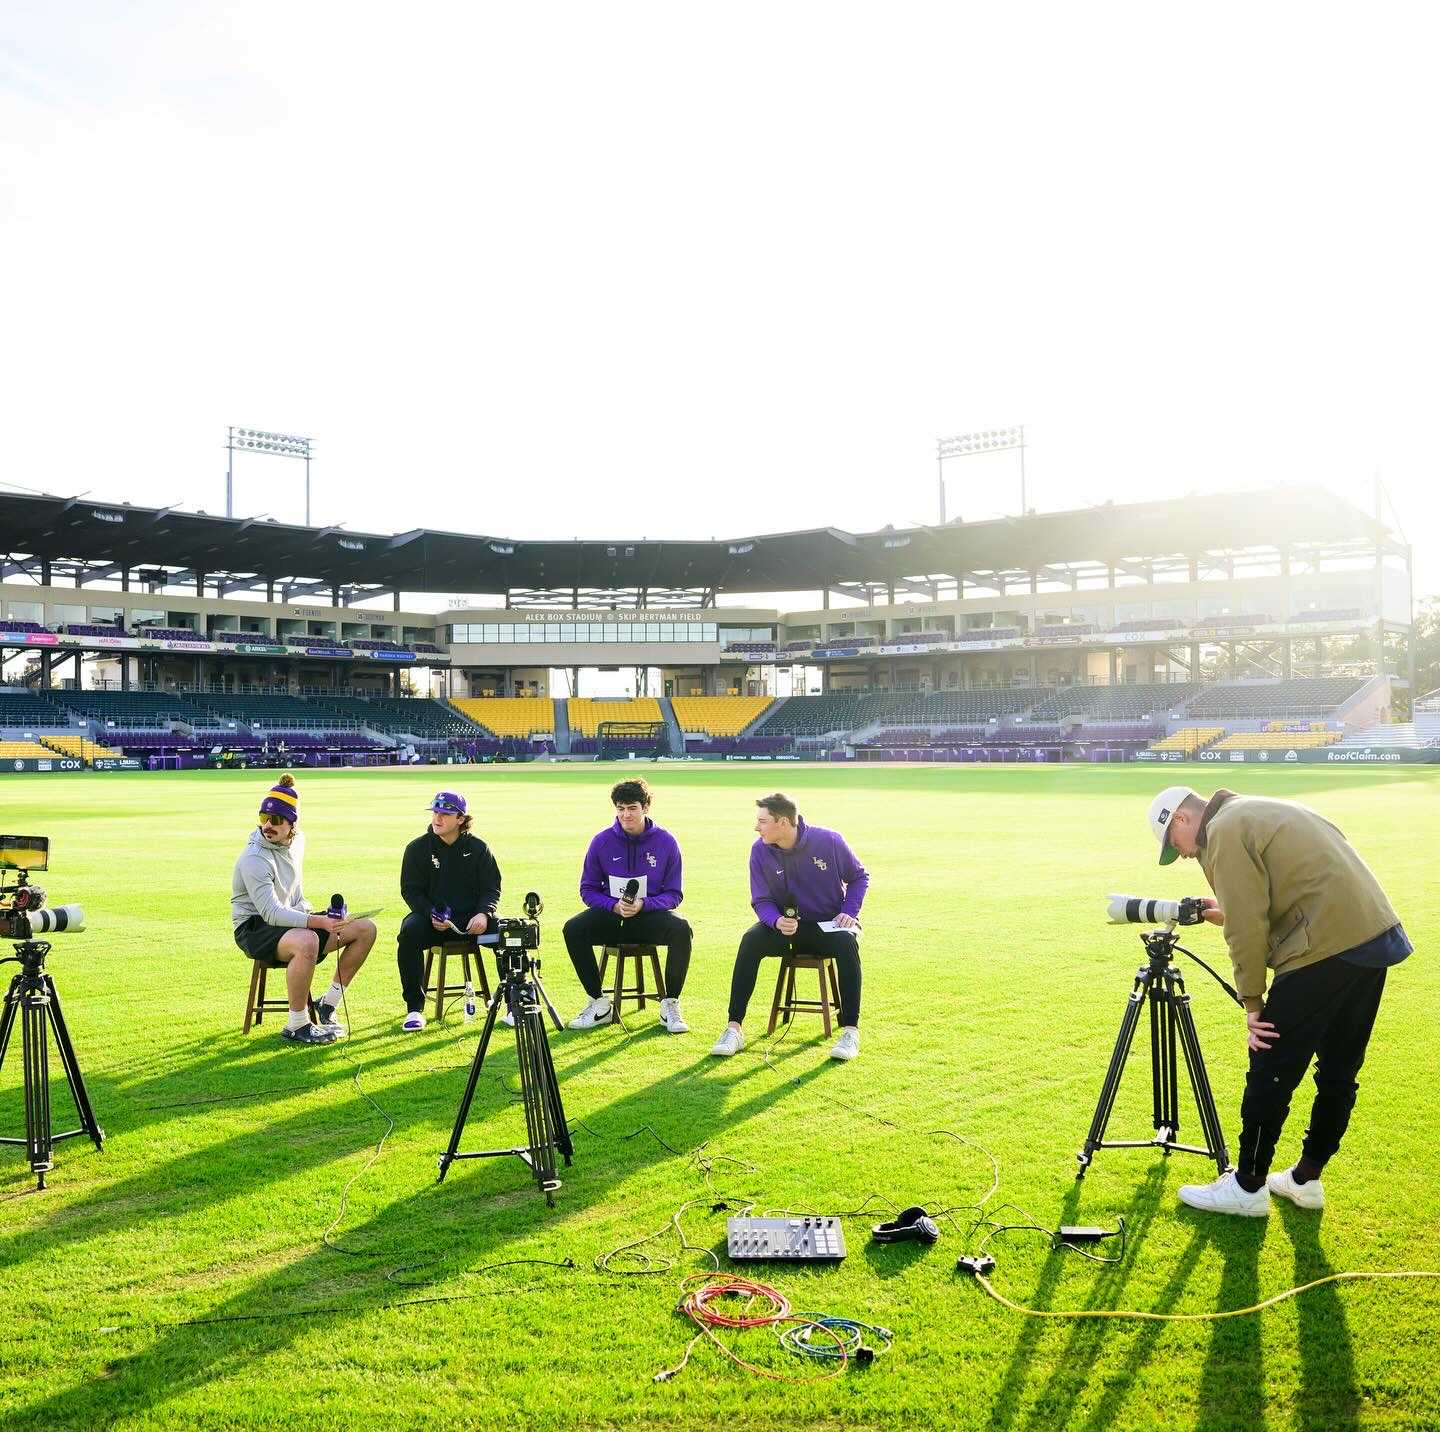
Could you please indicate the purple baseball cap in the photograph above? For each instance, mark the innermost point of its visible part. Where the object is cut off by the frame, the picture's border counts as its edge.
(448, 801)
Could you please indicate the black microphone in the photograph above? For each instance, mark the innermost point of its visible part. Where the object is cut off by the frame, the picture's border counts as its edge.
(791, 913)
(632, 888)
(337, 907)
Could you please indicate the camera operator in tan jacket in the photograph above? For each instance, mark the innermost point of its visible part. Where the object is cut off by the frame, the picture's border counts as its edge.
(1294, 897)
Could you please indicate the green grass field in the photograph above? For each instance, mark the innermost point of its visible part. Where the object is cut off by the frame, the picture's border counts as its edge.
(182, 1277)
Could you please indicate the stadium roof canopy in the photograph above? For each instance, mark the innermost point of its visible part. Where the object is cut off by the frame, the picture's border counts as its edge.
(91, 540)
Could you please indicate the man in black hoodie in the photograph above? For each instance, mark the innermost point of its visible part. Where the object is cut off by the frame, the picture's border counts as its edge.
(448, 877)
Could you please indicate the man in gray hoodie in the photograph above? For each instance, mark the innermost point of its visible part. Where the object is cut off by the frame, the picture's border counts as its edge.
(273, 920)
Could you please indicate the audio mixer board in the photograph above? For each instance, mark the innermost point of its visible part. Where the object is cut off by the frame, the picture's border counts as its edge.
(800, 1240)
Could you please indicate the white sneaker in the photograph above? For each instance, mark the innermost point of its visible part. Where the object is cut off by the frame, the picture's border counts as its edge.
(731, 1042)
(847, 1046)
(1303, 1195)
(414, 1020)
(507, 1019)
(671, 1017)
(1226, 1196)
(596, 1012)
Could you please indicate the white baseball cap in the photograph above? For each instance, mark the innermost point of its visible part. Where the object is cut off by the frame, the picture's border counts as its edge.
(1162, 808)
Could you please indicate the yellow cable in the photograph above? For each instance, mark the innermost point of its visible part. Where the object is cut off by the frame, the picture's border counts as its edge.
(1186, 1317)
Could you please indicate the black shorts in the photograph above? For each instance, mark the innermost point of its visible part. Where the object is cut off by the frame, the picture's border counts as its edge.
(260, 941)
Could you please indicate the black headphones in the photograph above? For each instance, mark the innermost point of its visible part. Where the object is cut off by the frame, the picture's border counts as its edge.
(913, 1225)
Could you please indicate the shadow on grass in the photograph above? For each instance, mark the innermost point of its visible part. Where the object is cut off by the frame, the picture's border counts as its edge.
(1072, 1367)
(1328, 1400)
(276, 1310)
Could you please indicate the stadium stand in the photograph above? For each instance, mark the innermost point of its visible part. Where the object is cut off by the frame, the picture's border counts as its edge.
(1189, 739)
(918, 638)
(22, 626)
(1068, 629)
(1135, 700)
(75, 629)
(836, 711)
(24, 750)
(509, 715)
(1301, 696)
(27, 709)
(411, 714)
(131, 710)
(1346, 615)
(273, 713)
(961, 707)
(717, 715)
(586, 713)
(1231, 620)
(149, 633)
(1421, 734)
(78, 746)
(1277, 741)
(988, 634)
(1150, 624)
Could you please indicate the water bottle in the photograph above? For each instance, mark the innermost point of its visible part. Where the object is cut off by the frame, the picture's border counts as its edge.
(469, 1000)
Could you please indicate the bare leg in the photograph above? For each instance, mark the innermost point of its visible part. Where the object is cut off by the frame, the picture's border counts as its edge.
(297, 950)
(357, 938)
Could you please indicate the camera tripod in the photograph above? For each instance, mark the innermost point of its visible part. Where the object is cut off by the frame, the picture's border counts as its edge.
(32, 991)
(1159, 984)
(521, 993)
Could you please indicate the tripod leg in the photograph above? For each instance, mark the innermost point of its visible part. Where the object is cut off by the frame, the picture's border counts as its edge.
(38, 1144)
(1200, 1084)
(7, 1016)
(73, 1076)
(542, 1158)
(448, 1157)
(557, 1109)
(1118, 1056)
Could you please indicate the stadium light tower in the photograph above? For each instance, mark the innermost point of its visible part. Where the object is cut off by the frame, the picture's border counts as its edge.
(270, 445)
(968, 444)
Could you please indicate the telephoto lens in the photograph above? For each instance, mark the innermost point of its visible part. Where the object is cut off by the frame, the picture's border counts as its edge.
(57, 920)
(1132, 910)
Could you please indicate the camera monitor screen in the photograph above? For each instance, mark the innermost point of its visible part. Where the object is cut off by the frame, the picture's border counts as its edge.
(24, 852)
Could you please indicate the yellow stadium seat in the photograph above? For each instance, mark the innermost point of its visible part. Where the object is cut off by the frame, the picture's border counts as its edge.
(24, 750)
(509, 715)
(586, 713)
(718, 715)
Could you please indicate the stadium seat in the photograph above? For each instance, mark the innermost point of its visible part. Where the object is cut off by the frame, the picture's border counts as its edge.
(586, 713)
(718, 715)
(509, 715)
(25, 751)
(1189, 739)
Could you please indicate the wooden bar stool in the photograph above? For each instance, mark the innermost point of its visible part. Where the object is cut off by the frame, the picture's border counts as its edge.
(257, 1004)
(635, 993)
(785, 1004)
(466, 949)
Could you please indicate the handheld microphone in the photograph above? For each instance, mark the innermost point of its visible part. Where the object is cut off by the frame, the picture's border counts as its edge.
(337, 907)
(791, 913)
(632, 888)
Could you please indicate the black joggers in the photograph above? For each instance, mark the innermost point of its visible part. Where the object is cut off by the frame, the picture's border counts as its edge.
(1324, 1012)
(593, 927)
(762, 940)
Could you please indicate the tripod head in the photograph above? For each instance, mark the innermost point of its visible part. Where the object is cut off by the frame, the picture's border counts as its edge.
(30, 956)
(1161, 947)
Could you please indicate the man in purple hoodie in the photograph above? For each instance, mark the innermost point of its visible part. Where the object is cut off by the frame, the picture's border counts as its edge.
(807, 888)
(630, 884)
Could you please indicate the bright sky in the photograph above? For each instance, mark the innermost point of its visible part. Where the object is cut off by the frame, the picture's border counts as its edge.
(676, 270)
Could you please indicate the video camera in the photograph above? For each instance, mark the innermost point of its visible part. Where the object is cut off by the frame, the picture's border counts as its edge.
(1132, 910)
(25, 916)
(522, 933)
